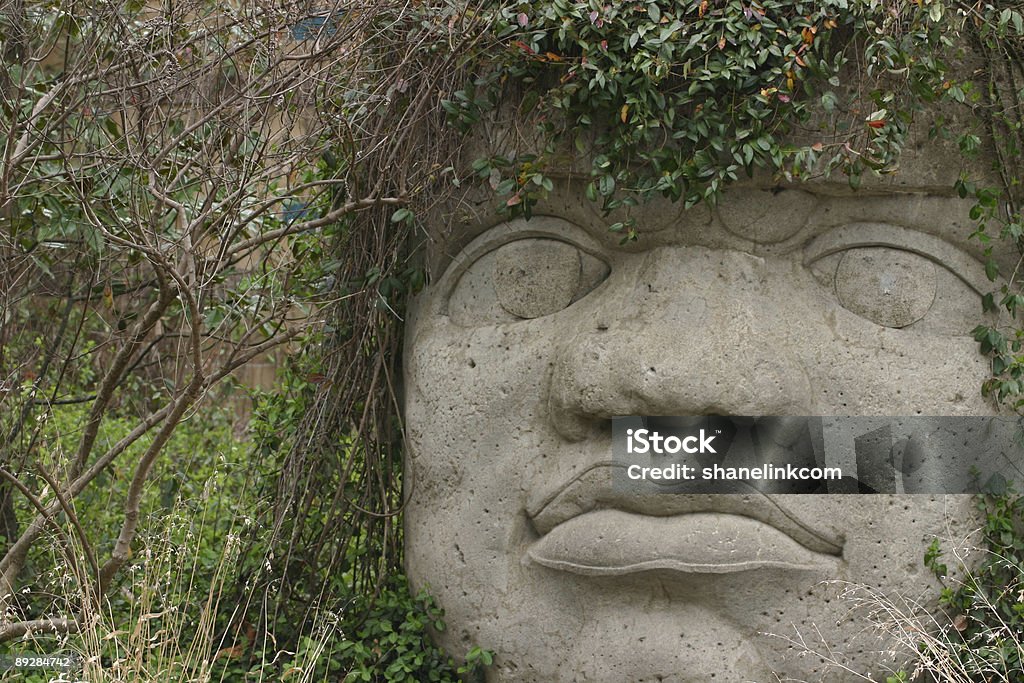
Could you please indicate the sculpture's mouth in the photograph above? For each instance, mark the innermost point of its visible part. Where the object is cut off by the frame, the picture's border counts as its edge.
(588, 528)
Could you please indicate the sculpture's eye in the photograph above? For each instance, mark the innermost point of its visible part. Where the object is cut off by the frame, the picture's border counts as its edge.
(898, 278)
(890, 287)
(523, 279)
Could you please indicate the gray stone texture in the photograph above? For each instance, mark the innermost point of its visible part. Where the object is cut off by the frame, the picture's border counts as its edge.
(808, 300)
(891, 287)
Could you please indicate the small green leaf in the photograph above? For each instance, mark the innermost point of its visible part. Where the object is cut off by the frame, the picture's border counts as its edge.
(402, 214)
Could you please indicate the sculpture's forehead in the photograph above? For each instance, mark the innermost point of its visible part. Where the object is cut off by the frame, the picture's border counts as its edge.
(760, 219)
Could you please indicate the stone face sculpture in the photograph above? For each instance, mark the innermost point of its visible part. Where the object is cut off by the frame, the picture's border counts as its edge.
(805, 300)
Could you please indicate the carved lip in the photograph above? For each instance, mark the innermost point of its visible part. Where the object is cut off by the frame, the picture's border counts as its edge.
(588, 528)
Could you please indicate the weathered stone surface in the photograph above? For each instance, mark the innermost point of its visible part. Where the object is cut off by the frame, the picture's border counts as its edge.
(536, 277)
(863, 306)
(766, 215)
(891, 287)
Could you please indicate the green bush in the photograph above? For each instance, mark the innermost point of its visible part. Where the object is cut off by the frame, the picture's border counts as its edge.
(176, 613)
(985, 637)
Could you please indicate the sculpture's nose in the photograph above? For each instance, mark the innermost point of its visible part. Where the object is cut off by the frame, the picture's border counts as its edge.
(689, 331)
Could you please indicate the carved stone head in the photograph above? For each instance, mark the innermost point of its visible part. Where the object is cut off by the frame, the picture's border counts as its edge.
(808, 299)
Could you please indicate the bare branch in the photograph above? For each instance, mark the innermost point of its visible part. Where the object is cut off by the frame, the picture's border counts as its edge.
(305, 226)
(53, 625)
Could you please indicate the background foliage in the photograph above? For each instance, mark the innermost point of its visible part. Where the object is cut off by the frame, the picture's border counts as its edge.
(985, 638)
(184, 188)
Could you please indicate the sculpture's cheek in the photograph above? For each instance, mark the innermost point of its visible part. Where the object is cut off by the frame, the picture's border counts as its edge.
(903, 374)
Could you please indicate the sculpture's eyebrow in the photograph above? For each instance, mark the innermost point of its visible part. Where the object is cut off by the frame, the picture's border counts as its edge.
(544, 226)
(449, 245)
(853, 235)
